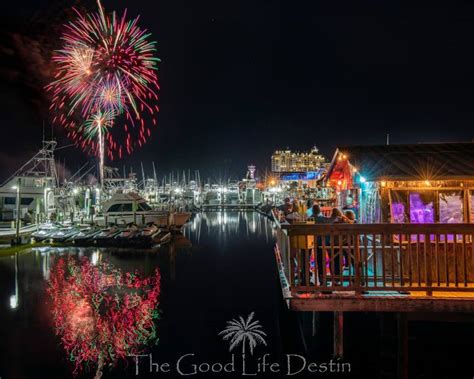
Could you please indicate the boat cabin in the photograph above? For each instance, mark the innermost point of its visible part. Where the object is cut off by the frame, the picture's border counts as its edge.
(125, 208)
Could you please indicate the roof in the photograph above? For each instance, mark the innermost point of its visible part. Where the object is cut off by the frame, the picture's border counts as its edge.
(438, 161)
(121, 197)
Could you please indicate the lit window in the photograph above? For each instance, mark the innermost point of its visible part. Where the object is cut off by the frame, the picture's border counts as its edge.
(451, 207)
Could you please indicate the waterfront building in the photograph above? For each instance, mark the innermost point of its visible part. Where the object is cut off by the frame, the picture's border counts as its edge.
(411, 249)
(419, 183)
(303, 168)
(286, 161)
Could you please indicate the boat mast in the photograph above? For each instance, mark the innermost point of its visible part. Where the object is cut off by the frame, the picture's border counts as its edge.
(143, 177)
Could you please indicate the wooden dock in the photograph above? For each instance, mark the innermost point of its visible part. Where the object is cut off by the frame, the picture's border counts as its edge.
(377, 267)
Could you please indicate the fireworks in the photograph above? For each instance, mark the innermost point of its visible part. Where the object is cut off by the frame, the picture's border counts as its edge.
(106, 66)
(100, 313)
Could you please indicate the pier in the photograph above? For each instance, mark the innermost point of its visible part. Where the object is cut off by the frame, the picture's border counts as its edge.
(386, 267)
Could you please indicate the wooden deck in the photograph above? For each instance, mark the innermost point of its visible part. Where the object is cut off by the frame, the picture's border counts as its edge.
(377, 267)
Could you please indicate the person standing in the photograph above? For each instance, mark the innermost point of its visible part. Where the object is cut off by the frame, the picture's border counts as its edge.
(320, 259)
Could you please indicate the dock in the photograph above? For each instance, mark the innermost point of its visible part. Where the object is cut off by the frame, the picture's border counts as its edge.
(382, 267)
(410, 269)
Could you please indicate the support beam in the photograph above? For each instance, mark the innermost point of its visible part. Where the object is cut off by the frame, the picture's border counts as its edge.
(402, 342)
(383, 304)
(338, 328)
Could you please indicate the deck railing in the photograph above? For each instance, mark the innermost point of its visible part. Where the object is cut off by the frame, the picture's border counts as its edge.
(377, 257)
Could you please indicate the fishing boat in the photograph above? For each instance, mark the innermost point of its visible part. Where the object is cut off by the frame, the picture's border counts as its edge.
(127, 208)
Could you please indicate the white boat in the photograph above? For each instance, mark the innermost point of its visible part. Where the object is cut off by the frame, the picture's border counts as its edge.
(126, 208)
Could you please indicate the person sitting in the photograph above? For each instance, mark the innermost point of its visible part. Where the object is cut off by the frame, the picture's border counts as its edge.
(286, 207)
(350, 217)
(310, 204)
(296, 207)
(336, 216)
(292, 217)
(318, 216)
(350, 205)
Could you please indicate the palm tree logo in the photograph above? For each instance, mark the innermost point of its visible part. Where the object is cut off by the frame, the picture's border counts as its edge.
(243, 332)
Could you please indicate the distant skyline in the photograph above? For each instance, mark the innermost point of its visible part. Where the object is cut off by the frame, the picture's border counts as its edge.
(239, 80)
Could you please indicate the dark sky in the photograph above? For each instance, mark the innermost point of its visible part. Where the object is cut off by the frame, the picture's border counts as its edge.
(241, 78)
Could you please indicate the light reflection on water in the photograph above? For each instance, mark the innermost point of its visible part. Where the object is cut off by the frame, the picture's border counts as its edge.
(229, 225)
(211, 245)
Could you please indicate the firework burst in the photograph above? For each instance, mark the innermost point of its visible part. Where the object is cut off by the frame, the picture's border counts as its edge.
(107, 66)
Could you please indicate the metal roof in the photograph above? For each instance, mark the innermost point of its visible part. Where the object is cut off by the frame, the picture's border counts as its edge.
(433, 161)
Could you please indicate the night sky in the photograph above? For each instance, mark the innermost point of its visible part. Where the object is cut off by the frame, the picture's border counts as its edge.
(242, 78)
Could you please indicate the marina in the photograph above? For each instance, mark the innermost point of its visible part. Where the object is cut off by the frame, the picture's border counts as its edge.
(410, 255)
(236, 189)
(208, 244)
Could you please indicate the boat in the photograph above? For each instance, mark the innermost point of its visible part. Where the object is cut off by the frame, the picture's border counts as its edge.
(162, 237)
(150, 236)
(84, 237)
(144, 238)
(106, 235)
(128, 208)
(178, 219)
(44, 232)
(63, 234)
(128, 234)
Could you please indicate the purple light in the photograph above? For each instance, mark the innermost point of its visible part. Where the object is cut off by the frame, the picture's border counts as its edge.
(421, 208)
(398, 212)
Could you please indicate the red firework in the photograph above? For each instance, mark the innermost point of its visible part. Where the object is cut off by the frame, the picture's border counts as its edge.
(106, 64)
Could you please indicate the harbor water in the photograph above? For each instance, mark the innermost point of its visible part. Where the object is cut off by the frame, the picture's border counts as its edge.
(221, 268)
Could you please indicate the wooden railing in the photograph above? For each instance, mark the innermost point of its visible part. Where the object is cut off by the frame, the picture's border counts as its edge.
(377, 257)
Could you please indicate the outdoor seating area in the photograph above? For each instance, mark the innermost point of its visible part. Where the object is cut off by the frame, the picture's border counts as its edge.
(408, 261)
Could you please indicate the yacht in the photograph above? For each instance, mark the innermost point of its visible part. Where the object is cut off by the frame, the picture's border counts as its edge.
(127, 208)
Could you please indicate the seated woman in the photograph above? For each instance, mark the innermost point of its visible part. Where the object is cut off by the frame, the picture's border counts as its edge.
(350, 216)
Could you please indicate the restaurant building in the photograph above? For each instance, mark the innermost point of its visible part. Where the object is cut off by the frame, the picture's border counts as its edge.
(417, 183)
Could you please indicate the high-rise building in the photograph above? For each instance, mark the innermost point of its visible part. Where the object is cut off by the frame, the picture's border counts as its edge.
(289, 161)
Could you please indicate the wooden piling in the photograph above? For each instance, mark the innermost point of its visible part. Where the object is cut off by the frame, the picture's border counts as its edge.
(338, 328)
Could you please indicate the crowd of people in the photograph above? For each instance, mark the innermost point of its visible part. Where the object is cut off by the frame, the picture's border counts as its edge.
(292, 211)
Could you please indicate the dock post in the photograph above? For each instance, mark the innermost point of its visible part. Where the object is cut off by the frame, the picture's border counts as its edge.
(402, 353)
(338, 329)
(313, 324)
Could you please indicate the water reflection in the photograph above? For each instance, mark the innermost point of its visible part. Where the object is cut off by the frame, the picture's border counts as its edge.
(229, 225)
(210, 257)
(14, 299)
(100, 313)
